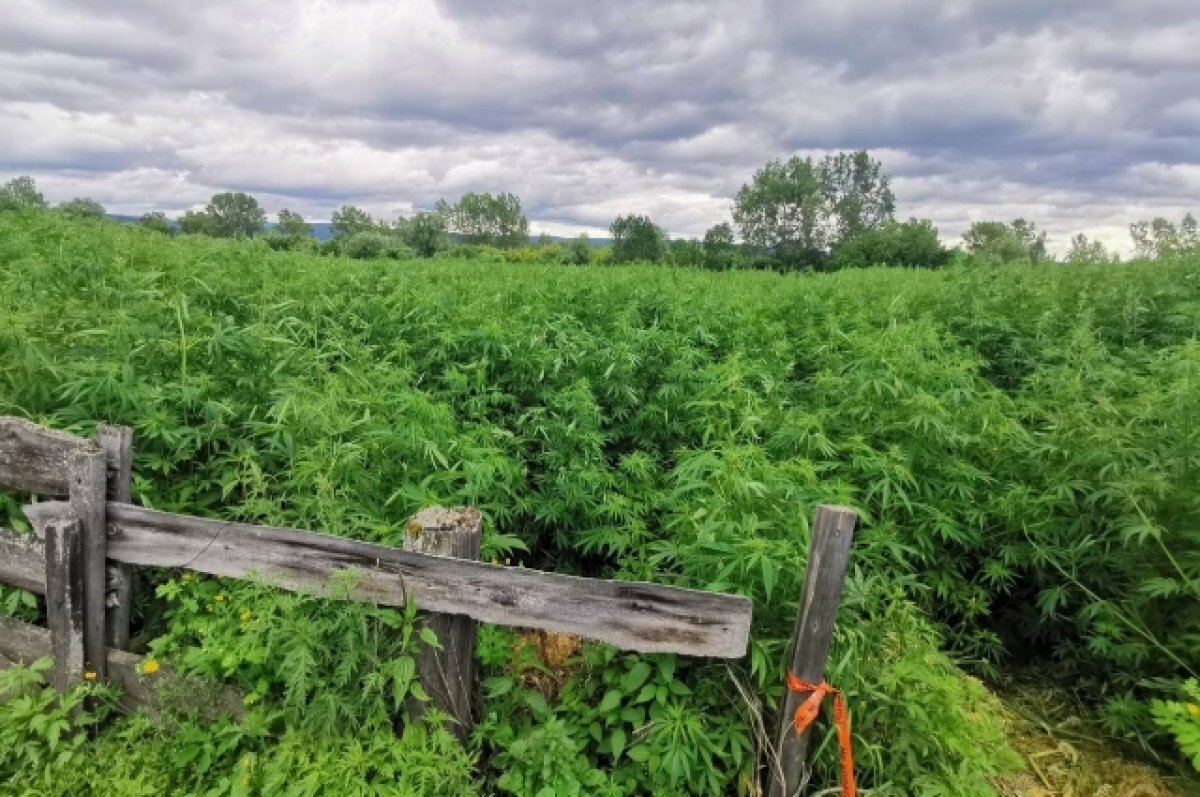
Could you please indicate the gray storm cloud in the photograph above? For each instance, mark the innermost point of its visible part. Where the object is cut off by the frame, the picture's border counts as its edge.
(1081, 115)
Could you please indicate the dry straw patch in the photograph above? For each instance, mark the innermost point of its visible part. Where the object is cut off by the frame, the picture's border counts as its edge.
(1066, 758)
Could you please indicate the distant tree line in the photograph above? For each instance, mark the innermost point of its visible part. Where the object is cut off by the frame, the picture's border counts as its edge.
(795, 214)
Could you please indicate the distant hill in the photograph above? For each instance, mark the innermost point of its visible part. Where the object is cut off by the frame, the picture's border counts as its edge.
(323, 231)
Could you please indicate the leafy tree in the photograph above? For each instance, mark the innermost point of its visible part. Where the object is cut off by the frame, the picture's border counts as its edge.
(578, 252)
(487, 219)
(20, 193)
(1034, 241)
(293, 224)
(910, 244)
(719, 246)
(1161, 237)
(1085, 251)
(234, 215)
(157, 221)
(996, 242)
(425, 233)
(636, 238)
(196, 222)
(685, 252)
(797, 210)
(858, 195)
(83, 207)
(351, 220)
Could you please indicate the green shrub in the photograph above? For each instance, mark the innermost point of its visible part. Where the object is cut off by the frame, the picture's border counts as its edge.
(1181, 719)
(364, 245)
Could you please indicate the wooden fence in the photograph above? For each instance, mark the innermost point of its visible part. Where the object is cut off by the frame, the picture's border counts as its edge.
(84, 547)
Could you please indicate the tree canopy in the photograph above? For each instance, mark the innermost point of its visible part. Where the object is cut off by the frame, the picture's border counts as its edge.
(997, 242)
(350, 220)
(1162, 237)
(20, 193)
(720, 247)
(1084, 251)
(636, 238)
(157, 221)
(578, 252)
(495, 220)
(798, 210)
(235, 215)
(910, 244)
(293, 224)
(425, 233)
(83, 207)
(196, 222)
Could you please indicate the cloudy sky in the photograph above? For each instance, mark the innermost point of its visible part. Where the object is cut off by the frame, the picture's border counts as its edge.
(1080, 114)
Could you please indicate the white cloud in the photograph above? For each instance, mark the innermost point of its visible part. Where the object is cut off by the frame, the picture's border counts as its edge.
(1081, 115)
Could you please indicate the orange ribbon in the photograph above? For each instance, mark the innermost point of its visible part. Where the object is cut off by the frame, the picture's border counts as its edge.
(807, 711)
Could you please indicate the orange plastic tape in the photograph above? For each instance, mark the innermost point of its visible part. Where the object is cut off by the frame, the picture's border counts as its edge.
(807, 712)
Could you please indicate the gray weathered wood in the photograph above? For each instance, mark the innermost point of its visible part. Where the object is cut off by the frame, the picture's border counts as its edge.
(88, 490)
(34, 459)
(22, 561)
(25, 643)
(630, 615)
(117, 442)
(64, 599)
(447, 672)
(828, 554)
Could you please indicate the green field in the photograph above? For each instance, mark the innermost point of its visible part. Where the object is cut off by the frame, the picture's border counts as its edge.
(1023, 444)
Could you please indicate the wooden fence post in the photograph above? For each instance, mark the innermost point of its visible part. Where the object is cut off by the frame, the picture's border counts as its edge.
(117, 442)
(88, 493)
(448, 673)
(64, 600)
(828, 554)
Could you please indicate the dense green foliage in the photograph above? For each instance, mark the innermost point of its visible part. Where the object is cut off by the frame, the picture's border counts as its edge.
(292, 224)
(1181, 719)
(229, 214)
(1084, 251)
(636, 238)
(83, 207)
(1161, 237)
(797, 211)
(910, 244)
(156, 220)
(20, 193)
(999, 243)
(1021, 443)
(491, 220)
(46, 751)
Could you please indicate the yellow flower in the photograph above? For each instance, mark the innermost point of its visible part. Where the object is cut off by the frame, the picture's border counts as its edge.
(88, 675)
(1194, 710)
(245, 615)
(150, 666)
(187, 576)
(220, 599)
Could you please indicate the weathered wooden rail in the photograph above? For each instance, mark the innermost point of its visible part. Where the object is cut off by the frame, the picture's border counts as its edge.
(86, 545)
(633, 616)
